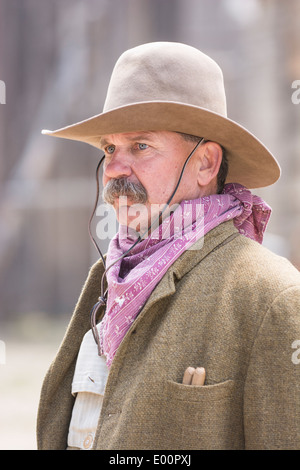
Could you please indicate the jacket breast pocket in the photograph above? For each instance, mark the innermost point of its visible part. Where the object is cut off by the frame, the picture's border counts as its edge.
(206, 417)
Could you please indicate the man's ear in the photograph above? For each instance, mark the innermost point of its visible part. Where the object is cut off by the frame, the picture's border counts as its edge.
(209, 163)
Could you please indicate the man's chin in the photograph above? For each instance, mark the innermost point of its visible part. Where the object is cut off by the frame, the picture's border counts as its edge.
(135, 220)
(135, 226)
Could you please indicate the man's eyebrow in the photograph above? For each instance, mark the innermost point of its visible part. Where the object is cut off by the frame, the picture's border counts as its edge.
(103, 142)
(133, 138)
(141, 136)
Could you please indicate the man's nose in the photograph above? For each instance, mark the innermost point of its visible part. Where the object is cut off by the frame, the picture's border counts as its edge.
(118, 166)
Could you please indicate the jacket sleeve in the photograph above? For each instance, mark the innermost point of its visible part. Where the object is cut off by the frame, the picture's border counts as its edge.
(272, 386)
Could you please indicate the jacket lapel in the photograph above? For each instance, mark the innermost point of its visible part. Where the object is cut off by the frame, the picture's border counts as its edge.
(189, 259)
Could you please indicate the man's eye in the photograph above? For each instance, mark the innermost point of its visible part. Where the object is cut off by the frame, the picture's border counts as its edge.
(110, 149)
(142, 146)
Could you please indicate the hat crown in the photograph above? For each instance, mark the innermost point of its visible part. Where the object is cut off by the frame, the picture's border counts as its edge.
(168, 72)
(165, 86)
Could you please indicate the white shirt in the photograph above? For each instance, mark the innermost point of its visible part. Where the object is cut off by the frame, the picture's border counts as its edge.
(88, 386)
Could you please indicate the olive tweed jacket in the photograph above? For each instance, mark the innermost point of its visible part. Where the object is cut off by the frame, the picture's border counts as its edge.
(232, 307)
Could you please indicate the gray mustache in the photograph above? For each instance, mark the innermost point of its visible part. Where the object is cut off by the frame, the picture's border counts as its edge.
(123, 187)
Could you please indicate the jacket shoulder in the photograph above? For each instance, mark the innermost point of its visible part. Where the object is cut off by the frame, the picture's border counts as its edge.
(257, 261)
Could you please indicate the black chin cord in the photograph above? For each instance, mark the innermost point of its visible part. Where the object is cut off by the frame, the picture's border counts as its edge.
(103, 296)
(94, 210)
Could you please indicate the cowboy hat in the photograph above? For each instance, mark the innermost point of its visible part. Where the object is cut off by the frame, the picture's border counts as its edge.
(175, 87)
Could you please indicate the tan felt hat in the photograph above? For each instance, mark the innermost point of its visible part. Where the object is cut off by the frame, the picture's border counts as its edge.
(175, 87)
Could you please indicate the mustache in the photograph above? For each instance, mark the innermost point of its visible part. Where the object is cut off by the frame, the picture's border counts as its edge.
(123, 187)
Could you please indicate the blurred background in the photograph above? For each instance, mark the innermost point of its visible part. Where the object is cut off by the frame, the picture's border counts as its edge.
(56, 57)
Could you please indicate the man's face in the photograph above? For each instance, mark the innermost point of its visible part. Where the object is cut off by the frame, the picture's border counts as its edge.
(153, 160)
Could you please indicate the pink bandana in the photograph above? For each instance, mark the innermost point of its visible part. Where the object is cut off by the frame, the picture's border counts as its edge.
(132, 279)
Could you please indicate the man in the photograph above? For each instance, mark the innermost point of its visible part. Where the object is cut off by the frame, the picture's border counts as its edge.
(194, 325)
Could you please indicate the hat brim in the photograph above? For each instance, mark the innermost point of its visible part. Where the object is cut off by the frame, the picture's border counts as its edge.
(250, 162)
